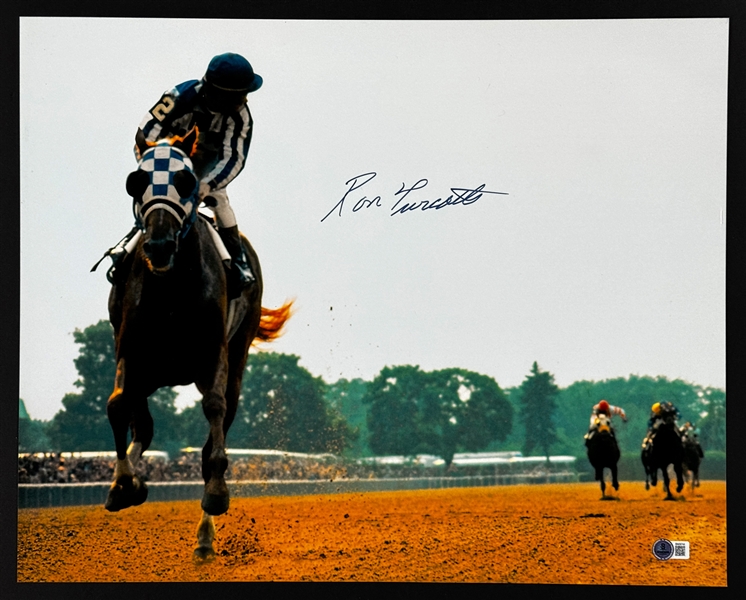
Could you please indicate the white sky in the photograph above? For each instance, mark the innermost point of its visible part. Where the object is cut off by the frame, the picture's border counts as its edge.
(606, 259)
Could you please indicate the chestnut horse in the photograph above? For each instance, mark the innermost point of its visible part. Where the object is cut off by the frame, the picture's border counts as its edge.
(176, 324)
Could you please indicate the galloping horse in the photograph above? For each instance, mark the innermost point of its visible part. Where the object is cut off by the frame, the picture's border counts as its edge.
(603, 451)
(665, 449)
(176, 324)
(693, 453)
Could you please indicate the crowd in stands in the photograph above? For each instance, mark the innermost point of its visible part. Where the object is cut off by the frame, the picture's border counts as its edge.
(55, 468)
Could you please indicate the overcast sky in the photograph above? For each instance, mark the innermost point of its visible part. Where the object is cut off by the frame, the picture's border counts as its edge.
(604, 256)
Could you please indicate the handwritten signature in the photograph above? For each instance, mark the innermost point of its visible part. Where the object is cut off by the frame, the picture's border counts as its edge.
(458, 196)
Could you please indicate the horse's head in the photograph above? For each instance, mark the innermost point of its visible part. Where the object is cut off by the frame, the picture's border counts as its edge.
(602, 423)
(163, 189)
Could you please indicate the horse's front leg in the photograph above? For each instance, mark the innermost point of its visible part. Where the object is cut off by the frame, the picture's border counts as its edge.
(127, 489)
(679, 477)
(205, 537)
(214, 458)
(643, 459)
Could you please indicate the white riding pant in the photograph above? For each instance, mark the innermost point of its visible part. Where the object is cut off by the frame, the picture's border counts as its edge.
(224, 214)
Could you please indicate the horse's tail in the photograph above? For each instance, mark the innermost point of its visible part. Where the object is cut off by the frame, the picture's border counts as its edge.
(271, 322)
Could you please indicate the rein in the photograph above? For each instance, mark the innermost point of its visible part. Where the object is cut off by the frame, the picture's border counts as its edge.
(187, 220)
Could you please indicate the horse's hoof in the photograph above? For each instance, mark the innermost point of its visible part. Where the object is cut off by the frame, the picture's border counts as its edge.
(615, 486)
(114, 502)
(647, 485)
(215, 505)
(126, 492)
(203, 554)
(669, 498)
(140, 493)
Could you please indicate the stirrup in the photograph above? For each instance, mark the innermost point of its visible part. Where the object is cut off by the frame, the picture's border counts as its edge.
(244, 274)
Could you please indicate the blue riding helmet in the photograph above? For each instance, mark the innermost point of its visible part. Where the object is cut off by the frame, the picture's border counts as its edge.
(231, 72)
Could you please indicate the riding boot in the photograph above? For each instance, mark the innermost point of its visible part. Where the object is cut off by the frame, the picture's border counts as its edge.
(239, 257)
(118, 254)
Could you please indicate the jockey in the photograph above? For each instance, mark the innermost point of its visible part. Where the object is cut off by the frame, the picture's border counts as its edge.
(689, 434)
(607, 409)
(658, 412)
(603, 407)
(216, 105)
(687, 431)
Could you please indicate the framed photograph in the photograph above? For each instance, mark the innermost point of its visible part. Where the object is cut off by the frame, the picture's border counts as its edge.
(508, 198)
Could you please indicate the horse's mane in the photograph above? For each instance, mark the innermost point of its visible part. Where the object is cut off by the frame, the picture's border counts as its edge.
(174, 140)
(272, 322)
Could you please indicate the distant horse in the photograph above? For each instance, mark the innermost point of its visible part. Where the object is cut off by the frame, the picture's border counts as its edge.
(603, 451)
(693, 454)
(175, 324)
(665, 449)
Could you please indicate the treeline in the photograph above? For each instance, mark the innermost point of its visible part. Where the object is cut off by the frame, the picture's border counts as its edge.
(402, 411)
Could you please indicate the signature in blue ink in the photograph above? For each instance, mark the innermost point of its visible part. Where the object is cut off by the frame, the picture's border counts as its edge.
(458, 196)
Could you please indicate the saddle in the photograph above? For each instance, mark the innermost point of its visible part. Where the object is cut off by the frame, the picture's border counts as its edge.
(597, 426)
(219, 245)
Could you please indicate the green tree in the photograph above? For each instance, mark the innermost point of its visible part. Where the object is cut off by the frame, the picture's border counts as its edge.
(193, 426)
(635, 395)
(282, 407)
(712, 424)
(168, 431)
(83, 423)
(439, 412)
(392, 413)
(346, 396)
(32, 436)
(461, 410)
(538, 395)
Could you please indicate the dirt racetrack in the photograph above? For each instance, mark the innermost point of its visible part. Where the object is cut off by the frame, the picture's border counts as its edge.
(558, 533)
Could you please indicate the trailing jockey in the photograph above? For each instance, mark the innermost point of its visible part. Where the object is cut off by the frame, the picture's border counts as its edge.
(603, 407)
(216, 106)
(658, 412)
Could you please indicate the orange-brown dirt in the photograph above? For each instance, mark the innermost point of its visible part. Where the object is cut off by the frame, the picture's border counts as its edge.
(559, 533)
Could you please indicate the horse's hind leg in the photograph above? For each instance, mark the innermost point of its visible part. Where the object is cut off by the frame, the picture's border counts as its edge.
(127, 489)
(205, 537)
(614, 480)
(679, 477)
(142, 431)
(239, 347)
(214, 458)
(666, 484)
(600, 479)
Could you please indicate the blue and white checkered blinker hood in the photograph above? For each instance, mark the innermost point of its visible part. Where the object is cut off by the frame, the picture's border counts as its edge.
(162, 162)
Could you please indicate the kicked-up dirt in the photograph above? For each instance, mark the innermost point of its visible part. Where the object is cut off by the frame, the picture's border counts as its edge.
(557, 533)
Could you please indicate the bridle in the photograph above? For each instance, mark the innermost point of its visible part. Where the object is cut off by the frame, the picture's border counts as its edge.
(170, 186)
